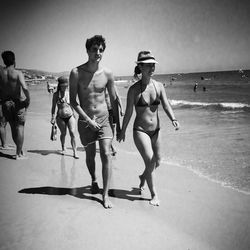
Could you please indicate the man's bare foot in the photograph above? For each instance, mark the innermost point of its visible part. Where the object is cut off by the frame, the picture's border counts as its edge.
(142, 182)
(94, 188)
(106, 202)
(155, 201)
(76, 156)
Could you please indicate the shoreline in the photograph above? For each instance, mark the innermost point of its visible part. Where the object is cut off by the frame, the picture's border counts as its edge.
(46, 201)
(197, 173)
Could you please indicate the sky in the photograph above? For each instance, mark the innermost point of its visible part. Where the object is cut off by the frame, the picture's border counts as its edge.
(184, 35)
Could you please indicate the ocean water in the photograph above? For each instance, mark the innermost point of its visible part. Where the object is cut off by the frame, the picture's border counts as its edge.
(214, 139)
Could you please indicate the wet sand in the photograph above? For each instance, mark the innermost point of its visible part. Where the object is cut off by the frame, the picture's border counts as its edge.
(46, 203)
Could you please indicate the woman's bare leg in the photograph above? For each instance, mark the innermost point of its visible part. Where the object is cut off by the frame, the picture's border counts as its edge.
(72, 132)
(63, 131)
(143, 144)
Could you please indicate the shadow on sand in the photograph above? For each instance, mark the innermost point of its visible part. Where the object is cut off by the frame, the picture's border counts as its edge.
(12, 157)
(132, 195)
(57, 152)
(81, 191)
(45, 152)
(76, 192)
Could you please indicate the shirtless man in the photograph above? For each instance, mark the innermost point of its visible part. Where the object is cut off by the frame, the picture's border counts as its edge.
(14, 104)
(3, 122)
(89, 82)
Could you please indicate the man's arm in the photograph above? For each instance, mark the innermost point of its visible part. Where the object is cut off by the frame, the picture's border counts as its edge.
(25, 88)
(128, 113)
(73, 92)
(119, 102)
(113, 99)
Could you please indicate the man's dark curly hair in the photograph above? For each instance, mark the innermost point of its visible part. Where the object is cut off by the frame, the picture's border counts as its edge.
(8, 58)
(97, 39)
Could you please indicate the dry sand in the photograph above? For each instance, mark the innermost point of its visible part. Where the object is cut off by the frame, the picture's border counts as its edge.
(46, 204)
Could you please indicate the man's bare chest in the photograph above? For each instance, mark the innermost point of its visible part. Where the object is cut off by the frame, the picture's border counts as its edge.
(92, 82)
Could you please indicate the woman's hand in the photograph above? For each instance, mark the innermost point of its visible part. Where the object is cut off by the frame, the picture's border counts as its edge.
(53, 120)
(176, 124)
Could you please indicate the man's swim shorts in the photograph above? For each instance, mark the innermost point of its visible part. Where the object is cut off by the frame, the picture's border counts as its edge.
(88, 136)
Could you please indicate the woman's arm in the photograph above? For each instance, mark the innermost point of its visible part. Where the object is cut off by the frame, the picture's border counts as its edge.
(53, 108)
(167, 107)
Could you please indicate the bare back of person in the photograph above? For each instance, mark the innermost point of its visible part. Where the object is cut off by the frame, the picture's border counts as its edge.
(11, 83)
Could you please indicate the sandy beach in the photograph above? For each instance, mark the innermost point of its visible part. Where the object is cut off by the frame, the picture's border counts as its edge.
(46, 203)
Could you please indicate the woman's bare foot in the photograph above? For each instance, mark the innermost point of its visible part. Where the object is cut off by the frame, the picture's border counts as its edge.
(142, 182)
(106, 202)
(21, 157)
(155, 201)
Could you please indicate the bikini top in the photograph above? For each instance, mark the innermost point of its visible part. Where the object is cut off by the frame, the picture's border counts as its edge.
(142, 103)
(64, 99)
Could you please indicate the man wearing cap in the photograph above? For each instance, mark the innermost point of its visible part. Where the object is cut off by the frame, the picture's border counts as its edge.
(88, 82)
(14, 103)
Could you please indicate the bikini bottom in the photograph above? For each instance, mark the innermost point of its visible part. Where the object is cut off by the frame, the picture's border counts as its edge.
(151, 134)
(66, 120)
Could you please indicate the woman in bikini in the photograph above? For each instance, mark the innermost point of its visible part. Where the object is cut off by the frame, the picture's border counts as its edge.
(65, 115)
(146, 95)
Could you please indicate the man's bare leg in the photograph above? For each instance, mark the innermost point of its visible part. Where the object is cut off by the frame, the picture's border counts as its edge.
(105, 146)
(19, 142)
(17, 131)
(90, 162)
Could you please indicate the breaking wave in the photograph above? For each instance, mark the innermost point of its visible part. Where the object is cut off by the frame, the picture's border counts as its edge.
(220, 106)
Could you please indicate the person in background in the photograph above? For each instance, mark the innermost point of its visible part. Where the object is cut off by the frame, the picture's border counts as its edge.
(65, 116)
(3, 122)
(89, 82)
(50, 88)
(195, 86)
(15, 99)
(145, 96)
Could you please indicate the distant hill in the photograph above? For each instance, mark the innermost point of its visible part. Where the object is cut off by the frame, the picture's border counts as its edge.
(39, 76)
(42, 72)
